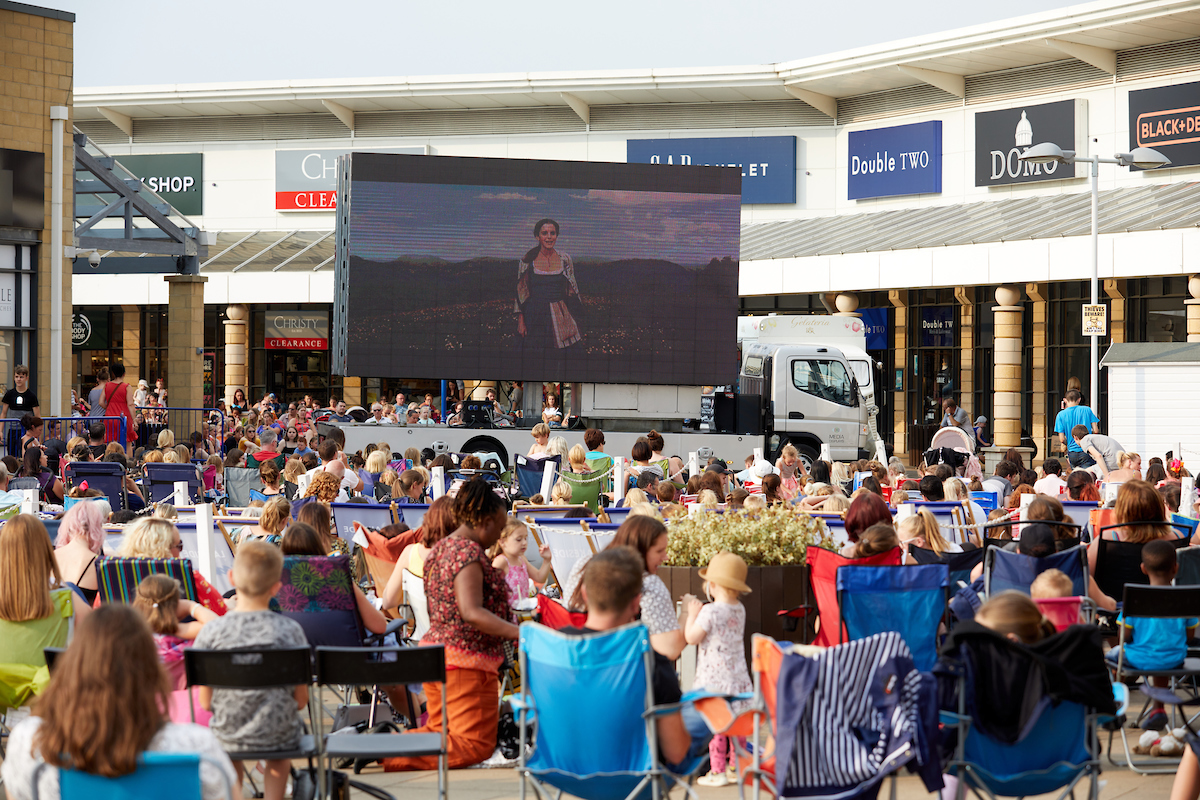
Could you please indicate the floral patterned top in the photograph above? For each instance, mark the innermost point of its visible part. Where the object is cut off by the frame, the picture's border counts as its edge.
(467, 647)
(721, 663)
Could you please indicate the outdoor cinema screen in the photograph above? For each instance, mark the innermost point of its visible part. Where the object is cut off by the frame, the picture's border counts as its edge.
(506, 269)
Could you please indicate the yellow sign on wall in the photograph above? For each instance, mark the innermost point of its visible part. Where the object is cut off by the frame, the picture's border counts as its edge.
(1095, 320)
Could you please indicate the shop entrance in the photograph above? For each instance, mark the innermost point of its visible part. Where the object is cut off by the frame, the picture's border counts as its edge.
(933, 372)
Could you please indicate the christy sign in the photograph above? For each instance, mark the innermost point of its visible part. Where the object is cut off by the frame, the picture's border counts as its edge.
(1002, 136)
(306, 180)
(885, 162)
(297, 330)
(1168, 119)
(768, 163)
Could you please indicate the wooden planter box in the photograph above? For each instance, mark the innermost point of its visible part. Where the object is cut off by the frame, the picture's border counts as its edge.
(774, 589)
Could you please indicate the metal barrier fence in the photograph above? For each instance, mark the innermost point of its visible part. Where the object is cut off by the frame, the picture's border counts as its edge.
(209, 422)
(64, 428)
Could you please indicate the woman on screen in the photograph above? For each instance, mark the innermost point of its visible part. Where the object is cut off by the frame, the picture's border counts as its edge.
(548, 301)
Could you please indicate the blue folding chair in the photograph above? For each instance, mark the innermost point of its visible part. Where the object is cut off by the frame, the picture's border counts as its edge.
(988, 501)
(371, 515)
(412, 514)
(162, 479)
(605, 679)
(908, 600)
(529, 471)
(159, 776)
(106, 476)
(1003, 570)
(960, 564)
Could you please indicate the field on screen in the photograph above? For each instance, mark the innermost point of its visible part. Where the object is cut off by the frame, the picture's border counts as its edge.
(433, 283)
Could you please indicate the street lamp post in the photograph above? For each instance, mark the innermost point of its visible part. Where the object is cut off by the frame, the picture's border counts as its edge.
(1142, 158)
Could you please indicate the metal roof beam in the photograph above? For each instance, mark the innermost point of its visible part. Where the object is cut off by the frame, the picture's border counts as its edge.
(227, 249)
(267, 249)
(581, 109)
(323, 263)
(294, 256)
(821, 102)
(946, 81)
(346, 115)
(122, 121)
(1099, 57)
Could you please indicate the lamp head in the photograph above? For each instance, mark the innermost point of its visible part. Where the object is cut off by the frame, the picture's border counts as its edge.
(1048, 153)
(1144, 158)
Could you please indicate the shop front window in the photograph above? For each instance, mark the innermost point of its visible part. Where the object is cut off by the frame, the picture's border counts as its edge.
(933, 366)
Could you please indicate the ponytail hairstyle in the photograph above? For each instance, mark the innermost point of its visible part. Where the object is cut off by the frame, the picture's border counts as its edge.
(875, 540)
(158, 601)
(477, 503)
(1016, 616)
(656, 442)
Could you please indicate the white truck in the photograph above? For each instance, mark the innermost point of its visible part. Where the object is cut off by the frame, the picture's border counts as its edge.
(806, 393)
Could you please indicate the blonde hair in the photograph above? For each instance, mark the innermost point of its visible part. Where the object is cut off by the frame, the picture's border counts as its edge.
(26, 570)
(924, 524)
(158, 601)
(171, 457)
(166, 438)
(837, 503)
(541, 429)
(755, 502)
(789, 451)
(275, 514)
(645, 510)
(955, 489)
(511, 528)
(165, 511)
(154, 457)
(560, 495)
(899, 496)
(1125, 459)
(75, 440)
(1051, 583)
(557, 446)
(215, 460)
(257, 567)
(293, 468)
(148, 537)
(707, 498)
(377, 462)
(635, 496)
(1013, 614)
(578, 456)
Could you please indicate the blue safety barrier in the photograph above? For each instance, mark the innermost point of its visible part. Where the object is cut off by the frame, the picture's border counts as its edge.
(182, 422)
(64, 428)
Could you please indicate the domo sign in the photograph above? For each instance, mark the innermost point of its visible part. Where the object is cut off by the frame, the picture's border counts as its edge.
(885, 162)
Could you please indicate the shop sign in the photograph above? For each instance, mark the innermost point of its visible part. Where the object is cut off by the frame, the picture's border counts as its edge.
(81, 330)
(209, 365)
(1167, 118)
(22, 197)
(875, 325)
(885, 162)
(1095, 320)
(89, 330)
(297, 330)
(177, 178)
(767, 163)
(15, 305)
(1002, 136)
(306, 180)
(937, 327)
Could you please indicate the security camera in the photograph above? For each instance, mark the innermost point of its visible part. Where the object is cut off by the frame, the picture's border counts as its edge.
(94, 259)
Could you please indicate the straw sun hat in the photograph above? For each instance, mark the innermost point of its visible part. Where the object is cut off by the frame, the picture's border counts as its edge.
(728, 570)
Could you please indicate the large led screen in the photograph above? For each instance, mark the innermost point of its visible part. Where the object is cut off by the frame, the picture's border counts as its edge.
(538, 270)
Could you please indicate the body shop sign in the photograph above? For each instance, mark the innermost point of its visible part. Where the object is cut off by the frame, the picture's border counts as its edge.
(906, 159)
(297, 330)
(1167, 119)
(306, 180)
(1002, 136)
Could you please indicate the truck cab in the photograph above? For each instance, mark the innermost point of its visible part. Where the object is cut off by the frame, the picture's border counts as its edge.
(811, 397)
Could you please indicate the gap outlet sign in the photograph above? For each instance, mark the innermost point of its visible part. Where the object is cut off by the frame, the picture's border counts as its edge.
(306, 180)
(767, 163)
(1002, 136)
(1167, 119)
(885, 162)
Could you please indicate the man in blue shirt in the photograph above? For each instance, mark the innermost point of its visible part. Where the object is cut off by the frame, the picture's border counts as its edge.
(1075, 414)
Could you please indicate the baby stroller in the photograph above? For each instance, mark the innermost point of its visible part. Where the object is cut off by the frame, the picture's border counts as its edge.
(955, 447)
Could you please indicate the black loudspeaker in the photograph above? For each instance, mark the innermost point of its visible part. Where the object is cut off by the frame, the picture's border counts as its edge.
(749, 418)
(477, 414)
(725, 412)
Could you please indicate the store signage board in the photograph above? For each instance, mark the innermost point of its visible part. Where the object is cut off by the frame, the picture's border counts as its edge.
(296, 330)
(1095, 320)
(767, 163)
(903, 160)
(1167, 119)
(306, 180)
(177, 178)
(1002, 136)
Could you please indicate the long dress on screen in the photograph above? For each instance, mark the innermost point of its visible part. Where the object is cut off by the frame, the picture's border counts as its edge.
(548, 297)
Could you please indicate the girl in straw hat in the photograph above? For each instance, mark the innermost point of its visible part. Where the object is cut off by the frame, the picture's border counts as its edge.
(719, 628)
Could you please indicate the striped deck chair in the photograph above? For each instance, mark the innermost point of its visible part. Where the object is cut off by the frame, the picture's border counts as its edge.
(118, 578)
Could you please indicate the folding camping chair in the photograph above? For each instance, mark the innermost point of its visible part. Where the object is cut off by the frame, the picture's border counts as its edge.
(1189, 566)
(822, 573)
(568, 543)
(585, 488)
(1055, 750)
(1153, 602)
(118, 578)
(371, 515)
(161, 480)
(1004, 570)
(959, 564)
(159, 776)
(529, 471)
(988, 501)
(1120, 563)
(106, 476)
(908, 600)
(605, 679)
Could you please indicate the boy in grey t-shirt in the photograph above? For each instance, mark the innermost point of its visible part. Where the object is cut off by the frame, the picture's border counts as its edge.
(256, 719)
(1100, 447)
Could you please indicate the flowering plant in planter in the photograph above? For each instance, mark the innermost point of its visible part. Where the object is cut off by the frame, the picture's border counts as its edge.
(775, 536)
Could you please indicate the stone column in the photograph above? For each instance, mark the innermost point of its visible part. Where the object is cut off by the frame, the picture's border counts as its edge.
(237, 348)
(899, 300)
(1117, 310)
(965, 295)
(1040, 428)
(131, 343)
(1006, 403)
(1193, 309)
(185, 340)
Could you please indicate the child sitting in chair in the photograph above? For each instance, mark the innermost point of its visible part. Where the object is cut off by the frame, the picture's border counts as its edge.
(1153, 643)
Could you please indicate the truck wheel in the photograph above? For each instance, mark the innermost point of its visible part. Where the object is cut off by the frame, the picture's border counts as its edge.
(487, 444)
(808, 456)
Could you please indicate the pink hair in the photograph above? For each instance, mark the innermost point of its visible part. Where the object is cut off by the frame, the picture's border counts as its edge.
(84, 521)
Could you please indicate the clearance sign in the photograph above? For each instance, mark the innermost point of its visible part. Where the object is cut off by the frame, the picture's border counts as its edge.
(296, 330)
(306, 180)
(1167, 118)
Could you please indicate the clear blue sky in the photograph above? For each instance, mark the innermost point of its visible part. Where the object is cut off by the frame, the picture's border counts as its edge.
(139, 42)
